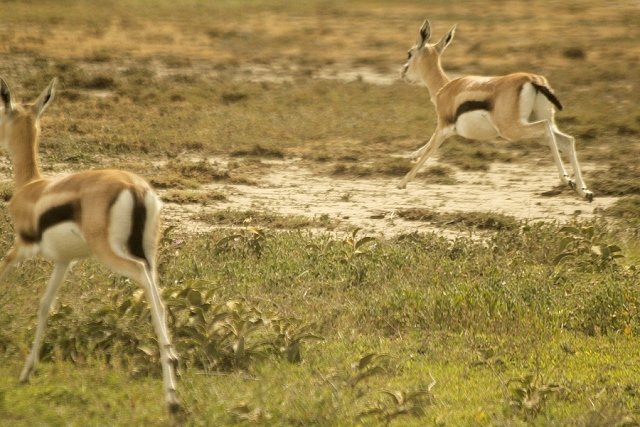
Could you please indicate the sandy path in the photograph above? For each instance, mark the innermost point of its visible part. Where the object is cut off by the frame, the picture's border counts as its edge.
(372, 204)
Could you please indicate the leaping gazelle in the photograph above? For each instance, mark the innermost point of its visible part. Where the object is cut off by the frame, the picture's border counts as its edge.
(111, 214)
(511, 107)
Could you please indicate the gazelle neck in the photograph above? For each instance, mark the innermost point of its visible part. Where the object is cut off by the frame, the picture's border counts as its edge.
(26, 166)
(434, 77)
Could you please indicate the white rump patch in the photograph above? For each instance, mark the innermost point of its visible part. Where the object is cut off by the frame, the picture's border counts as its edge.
(153, 204)
(526, 102)
(120, 223)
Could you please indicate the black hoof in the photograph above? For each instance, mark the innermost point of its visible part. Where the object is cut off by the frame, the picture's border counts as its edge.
(589, 196)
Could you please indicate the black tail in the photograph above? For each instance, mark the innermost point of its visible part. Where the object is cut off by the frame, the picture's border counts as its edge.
(549, 95)
(138, 219)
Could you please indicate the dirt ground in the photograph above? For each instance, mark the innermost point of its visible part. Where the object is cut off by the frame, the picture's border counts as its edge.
(525, 191)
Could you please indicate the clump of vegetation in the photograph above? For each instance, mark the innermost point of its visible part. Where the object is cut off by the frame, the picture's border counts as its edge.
(193, 196)
(256, 218)
(619, 180)
(394, 167)
(627, 208)
(529, 394)
(259, 151)
(476, 220)
(586, 246)
(208, 334)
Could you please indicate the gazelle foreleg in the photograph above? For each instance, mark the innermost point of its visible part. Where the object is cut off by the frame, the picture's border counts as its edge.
(416, 154)
(59, 271)
(435, 141)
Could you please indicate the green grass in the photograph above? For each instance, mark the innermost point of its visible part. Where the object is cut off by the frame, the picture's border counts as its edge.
(473, 316)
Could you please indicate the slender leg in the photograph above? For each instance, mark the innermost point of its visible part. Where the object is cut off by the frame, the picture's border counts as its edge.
(138, 271)
(162, 311)
(434, 142)
(555, 153)
(414, 155)
(567, 145)
(59, 271)
(167, 356)
(546, 128)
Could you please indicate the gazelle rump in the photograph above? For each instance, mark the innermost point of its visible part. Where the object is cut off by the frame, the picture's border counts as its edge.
(512, 107)
(113, 215)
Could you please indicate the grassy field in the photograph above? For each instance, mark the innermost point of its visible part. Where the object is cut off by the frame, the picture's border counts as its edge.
(513, 323)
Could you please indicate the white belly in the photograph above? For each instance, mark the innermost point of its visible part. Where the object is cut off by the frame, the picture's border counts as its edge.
(476, 124)
(63, 242)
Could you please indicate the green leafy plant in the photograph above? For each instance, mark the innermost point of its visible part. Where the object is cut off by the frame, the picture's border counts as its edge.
(399, 402)
(251, 240)
(355, 251)
(529, 393)
(368, 366)
(586, 246)
(290, 336)
(208, 334)
(232, 334)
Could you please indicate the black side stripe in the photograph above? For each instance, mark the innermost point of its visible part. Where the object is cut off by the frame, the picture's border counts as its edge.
(549, 95)
(138, 220)
(467, 106)
(51, 217)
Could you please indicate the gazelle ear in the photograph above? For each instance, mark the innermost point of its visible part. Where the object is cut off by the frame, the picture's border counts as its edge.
(45, 98)
(424, 34)
(446, 40)
(5, 94)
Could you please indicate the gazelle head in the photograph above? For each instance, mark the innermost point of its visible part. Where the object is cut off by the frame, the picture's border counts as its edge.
(20, 123)
(423, 57)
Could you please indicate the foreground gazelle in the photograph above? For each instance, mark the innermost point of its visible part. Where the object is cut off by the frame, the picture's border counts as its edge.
(111, 214)
(512, 107)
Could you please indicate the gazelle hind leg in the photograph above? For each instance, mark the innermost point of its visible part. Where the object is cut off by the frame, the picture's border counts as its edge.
(56, 279)
(137, 271)
(150, 247)
(567, 144)
(555, 153)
